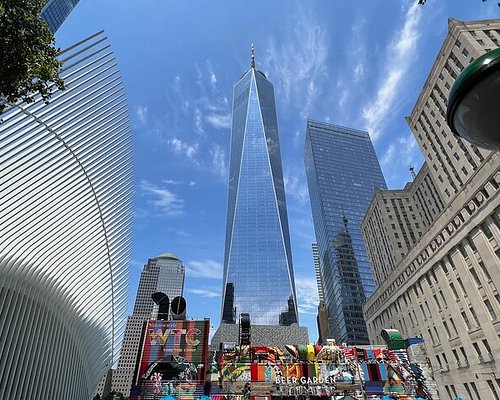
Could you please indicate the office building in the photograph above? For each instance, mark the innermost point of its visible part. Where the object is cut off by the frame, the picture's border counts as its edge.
(396, 219)
(445, 287)
(54, 12)
(258, 273)
(342, 174)
(164, 273)
(65, 230)
(322, 317)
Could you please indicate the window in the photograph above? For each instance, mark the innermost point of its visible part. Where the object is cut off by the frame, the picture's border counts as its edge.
(465, 356)
(493, 390)
(454, 327)
(443, 298)
(438, 360)
(448, 391)
(466, 386)
(474, 387)
(454, 291)
(485, 271)
(490, 309)
(466, 320)
(448, 335)
(476, 277)
(478, 352)
(436, 301)
(486, 230)
(488, 348)
(474, 316)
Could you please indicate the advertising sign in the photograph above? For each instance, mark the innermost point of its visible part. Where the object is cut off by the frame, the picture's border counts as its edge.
(176, 349)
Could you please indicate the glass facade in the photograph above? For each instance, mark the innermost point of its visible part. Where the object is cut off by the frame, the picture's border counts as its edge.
(342, 174)
(258, 273)
(56, 11)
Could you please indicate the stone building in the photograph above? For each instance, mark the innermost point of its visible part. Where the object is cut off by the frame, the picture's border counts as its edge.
(437, 266)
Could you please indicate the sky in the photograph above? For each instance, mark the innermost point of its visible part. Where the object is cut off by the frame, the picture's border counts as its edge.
(359, 64)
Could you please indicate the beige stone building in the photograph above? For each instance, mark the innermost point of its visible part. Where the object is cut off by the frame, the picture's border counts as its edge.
(435, 245)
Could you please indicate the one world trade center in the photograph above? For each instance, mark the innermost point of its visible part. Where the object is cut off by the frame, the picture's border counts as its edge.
(258, 273)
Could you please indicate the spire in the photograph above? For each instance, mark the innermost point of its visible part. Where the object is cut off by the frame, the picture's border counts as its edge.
(252, 62)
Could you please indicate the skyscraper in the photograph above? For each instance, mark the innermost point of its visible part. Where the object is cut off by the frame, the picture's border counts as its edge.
(54, 12)
(342, 174)
(65, 230)
(445, 288)
(258, 272)
(164, 273)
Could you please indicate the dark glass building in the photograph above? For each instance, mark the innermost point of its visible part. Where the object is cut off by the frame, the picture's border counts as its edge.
(258, 273)
(56, 11)
(342, 174)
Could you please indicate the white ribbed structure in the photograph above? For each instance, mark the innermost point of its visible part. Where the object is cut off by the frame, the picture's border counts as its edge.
(65, 231)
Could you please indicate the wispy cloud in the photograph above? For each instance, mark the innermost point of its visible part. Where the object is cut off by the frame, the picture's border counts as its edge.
(142, 114)
(402, 151)
(204, 269)
(162, 199)
(399, 58)
(174, 182)
(218, 160)
(307, 295)
(205, 292)
(399, 155)
(297, 63)
(219, 120)
(211, 74)
(296, 187)
(180, 147)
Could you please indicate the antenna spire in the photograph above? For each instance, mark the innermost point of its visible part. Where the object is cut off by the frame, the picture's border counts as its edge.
(252, 62)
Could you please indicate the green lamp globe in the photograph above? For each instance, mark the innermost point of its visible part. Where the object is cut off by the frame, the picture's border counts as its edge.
(474, 102)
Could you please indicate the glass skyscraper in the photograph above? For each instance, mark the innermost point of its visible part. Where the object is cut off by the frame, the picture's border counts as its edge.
(342, 174)
(258, 273)
(54, 12)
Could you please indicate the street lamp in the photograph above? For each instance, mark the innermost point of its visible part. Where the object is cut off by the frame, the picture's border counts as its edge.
(474, 102)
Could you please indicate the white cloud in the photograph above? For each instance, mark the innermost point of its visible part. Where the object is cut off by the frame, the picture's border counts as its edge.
(218, 160)
(401, 151)
(297, 63)
(171, 182)
(198, 122)
(204, 269)
(142, 114)
(307, 295)
(398, 60)
(162, 199)
(180, 147)
(219, 120)
(296, 187)
(211, 74)
(205, 292)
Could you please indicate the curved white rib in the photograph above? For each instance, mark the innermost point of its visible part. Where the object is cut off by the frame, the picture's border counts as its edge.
(65, 230)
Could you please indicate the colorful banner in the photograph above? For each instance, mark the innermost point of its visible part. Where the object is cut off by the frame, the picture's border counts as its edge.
(174, 348)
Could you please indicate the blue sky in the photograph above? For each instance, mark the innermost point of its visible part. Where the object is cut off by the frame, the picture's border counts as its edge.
(354, 63)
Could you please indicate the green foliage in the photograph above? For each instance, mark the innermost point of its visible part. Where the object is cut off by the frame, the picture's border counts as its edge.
(28, 58)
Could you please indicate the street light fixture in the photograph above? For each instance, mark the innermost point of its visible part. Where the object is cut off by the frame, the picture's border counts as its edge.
(474, 102)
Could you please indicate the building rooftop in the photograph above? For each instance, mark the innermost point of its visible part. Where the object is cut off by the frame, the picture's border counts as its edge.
(168, 256)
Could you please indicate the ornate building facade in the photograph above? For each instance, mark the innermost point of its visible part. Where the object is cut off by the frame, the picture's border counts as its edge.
(444, 284)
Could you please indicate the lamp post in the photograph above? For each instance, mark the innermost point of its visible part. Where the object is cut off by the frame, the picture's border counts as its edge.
(474, 102)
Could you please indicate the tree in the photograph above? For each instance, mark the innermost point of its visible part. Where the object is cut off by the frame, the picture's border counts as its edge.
(28, 58)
